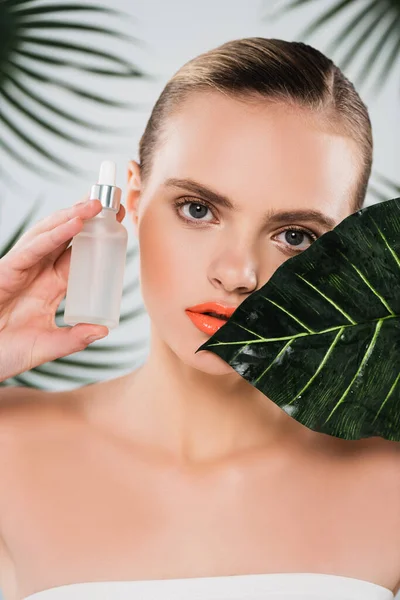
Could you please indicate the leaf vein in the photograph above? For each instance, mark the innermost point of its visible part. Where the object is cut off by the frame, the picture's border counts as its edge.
(288, 313)
(391, 250)
(367, 283)
(272, 362)
(328, 353)
(328, 299)
(364, 361)
(391, 391)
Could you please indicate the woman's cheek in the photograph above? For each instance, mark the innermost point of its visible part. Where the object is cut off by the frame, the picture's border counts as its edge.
(166, 261)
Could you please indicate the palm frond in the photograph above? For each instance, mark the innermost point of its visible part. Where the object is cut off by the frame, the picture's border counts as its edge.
(43, 46)
(21, 229)
(64, 113)
(381, 187)
(368, 17)
(372, 24)
(21, 160)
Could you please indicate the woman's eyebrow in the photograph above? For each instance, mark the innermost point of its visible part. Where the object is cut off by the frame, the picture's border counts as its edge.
(271, 216)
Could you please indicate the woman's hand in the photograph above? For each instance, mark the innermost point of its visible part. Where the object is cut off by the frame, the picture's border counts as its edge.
(33, 281)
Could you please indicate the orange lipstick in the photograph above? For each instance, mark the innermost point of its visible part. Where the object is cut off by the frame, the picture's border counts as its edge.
(217, 316)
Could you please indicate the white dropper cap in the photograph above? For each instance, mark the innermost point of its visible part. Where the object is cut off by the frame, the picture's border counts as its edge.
(107, 175)
(105, 189)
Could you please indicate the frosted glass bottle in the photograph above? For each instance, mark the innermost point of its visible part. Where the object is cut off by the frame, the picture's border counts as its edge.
(97, 267)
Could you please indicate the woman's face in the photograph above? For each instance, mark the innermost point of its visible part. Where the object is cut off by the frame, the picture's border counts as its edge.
(265, 159)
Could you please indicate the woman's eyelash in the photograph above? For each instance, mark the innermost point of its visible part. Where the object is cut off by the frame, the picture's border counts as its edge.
(310, 234)
(183, 202)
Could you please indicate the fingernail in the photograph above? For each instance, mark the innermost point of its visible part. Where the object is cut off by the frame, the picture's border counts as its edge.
(93, 338)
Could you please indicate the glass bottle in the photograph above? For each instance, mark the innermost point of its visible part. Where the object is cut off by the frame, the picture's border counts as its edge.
(98, 258)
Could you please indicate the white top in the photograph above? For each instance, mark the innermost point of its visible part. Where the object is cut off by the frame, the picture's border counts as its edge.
(271, 586)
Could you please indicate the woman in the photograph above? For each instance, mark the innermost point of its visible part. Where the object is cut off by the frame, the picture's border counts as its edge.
(180, 479)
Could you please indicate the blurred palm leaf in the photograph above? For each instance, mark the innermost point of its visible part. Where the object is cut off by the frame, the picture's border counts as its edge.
(372, 31)
(38, 53)
(382, 188)
(61, 368)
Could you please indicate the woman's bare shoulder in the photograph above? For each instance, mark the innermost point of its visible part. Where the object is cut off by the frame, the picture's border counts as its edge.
(30, 411)
(381, 449)
(378, 460)
(26, 411)
(13, 399)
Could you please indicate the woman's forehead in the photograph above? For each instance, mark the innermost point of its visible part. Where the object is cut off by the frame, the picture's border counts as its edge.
(224, 131)
(271, 149)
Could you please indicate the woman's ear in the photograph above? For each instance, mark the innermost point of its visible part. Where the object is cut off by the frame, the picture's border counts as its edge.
(133, 190)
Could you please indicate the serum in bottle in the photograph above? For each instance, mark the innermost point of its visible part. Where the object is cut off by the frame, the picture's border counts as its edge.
(98, 258)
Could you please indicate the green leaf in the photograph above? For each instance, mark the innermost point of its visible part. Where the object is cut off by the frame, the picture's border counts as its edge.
(73, 89)
(393, 57)
(31, 37)
(79, 49)
(383, 188)
(321, 338)
(13, 100)
(348, 31)
(62, 62)
(21, 159)
(385, 50)
(21, 229)
(60, 8)
(361, 38)
(377, 52)
(328, 15)
(19, 132)
(49, 24)
(41, 101)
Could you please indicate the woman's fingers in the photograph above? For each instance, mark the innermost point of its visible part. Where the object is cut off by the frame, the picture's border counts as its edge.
(62, 257)
(84, 209)
(121, 213)
(62, 254)
(63, 341)
(41, 246)
(32, 248)
(54, 235)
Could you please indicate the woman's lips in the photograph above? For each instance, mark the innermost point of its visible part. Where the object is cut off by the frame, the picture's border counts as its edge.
(205, 323)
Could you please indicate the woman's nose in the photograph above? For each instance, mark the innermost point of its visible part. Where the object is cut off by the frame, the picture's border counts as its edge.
(234, 273)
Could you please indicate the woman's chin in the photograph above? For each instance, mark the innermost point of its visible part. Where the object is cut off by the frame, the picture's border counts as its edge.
(210, 363)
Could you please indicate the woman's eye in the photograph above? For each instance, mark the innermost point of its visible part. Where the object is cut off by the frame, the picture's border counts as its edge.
(294, 238)
(194, 211)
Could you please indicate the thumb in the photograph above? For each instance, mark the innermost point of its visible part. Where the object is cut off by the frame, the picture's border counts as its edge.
(85, 334)
(66, 340)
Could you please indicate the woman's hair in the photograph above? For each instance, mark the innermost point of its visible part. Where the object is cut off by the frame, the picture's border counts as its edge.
(274, 70)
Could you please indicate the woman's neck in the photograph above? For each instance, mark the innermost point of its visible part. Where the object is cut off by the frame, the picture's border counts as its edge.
(193, 416)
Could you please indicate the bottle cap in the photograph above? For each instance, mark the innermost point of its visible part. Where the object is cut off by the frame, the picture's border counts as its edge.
(107, 173)
(105, 189)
